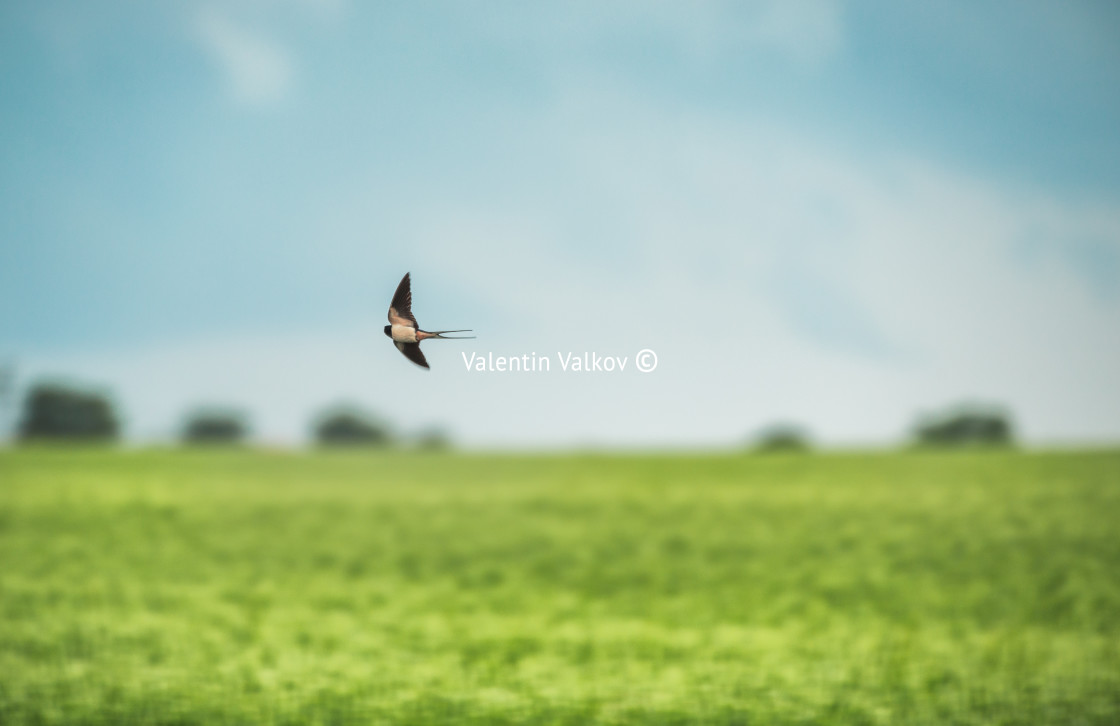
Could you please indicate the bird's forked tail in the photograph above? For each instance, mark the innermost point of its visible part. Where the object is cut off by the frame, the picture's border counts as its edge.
(440, 334)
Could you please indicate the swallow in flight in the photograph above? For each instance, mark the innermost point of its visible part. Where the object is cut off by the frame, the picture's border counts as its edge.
(406, 332)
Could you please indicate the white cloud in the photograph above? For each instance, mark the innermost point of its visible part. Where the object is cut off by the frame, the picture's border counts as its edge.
(809, 32)
(697, 218)
(257, 70)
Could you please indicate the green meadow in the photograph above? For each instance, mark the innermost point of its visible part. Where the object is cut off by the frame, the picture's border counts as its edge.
(236, 587)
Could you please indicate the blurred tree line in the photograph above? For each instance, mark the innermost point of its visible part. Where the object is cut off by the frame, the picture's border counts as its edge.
(969, 425)
(61, 412)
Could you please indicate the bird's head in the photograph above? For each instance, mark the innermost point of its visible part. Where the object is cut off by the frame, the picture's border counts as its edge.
(389, 330)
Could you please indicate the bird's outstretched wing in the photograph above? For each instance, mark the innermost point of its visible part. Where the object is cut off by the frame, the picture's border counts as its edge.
(400, 310)
(412, 352)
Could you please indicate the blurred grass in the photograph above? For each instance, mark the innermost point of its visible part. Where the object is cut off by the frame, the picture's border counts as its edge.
(224, 587)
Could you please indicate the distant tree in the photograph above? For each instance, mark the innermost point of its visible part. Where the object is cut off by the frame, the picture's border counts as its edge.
(348, 426)
(60, 412)
(7, 381)
(782, 437)
(965, 425)
(215, 426)
(433, 439)
(7, 397)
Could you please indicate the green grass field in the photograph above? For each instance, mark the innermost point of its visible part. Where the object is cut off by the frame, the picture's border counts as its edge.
(240, 587)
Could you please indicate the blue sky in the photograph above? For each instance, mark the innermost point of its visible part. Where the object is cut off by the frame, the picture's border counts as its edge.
(838, 213)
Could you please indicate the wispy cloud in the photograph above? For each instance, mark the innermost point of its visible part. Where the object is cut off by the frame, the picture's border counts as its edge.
(808, 32)
(705, 31)
(775, 276)
(257, 70)
(1090, 251)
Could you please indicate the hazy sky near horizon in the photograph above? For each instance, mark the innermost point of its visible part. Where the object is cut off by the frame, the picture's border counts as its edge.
(827, 212)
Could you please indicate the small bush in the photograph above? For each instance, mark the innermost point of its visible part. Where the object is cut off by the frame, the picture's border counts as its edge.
(209, 427)
(434, 439)
(344, 426)
(782, 437)
(965, 425)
